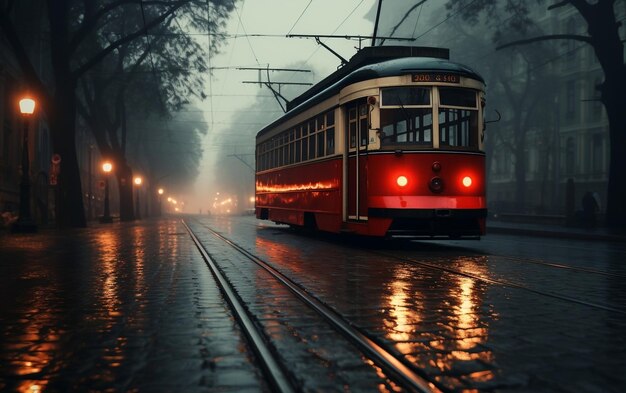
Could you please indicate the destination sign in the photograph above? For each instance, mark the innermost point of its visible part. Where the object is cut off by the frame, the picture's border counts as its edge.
(435, 77)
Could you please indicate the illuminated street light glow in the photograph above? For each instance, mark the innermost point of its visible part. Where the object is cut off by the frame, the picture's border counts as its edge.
(138, 180)
(107, 167)
(161, 191)
(27, 106)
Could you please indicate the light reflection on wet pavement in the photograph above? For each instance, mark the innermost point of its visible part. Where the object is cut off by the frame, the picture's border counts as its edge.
(132, 307)
(466, 333)
(128, 307)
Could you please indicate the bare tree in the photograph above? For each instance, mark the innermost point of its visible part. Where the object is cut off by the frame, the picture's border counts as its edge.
(73, 25)
(604, 37)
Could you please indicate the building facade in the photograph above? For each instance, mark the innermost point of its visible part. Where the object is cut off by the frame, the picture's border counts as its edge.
(570, 141)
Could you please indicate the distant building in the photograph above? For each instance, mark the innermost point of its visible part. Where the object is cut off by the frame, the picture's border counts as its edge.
(573, 141)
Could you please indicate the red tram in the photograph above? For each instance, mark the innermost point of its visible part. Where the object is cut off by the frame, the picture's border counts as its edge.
(391, 144)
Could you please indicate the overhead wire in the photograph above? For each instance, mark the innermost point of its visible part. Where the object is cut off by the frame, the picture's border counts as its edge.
(208, 11)
(336, 28)
(297, 20)
(247, 37)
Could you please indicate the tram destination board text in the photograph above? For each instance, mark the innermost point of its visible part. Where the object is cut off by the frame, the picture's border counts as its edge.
(435, 77)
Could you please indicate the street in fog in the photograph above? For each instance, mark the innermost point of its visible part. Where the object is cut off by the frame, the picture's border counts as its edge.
(363, 195)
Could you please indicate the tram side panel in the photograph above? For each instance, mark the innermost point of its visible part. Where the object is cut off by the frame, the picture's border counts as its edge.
(302, 195)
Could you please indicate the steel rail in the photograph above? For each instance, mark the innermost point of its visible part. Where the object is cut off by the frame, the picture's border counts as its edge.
(279, 381)
(505, 283)
(403, 375)
(559, 265)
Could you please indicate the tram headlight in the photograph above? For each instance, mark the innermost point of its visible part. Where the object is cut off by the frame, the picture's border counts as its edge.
(467, 181)
(402, 181)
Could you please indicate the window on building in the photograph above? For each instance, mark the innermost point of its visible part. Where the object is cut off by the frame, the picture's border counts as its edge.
(597, 148)
(570, 156)
(570, 99)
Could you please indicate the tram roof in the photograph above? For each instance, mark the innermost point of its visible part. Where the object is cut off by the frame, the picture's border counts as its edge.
(376, 62)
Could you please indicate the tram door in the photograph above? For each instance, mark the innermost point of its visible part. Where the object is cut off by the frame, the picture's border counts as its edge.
(357, 138)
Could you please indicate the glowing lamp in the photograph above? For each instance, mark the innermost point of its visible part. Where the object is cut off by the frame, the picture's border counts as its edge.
(27, 106)
(107, 167)
(138, 180)
(467, 181)
(402, 181)
(161, 191)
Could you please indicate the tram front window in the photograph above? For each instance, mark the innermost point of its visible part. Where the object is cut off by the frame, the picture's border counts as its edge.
(458, 118)
(407, 126)
(406, 118)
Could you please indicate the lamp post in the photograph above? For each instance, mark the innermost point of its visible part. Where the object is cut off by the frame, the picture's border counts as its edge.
(160, 192)
(106, 217)
(138, 181)
(25, 222)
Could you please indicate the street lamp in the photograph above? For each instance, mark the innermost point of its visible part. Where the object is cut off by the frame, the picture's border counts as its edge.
(138, 181)
(160, 191)
(107, 167)
(25, 222)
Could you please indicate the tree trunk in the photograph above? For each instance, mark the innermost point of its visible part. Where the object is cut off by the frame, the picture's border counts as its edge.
(124, 176)
(616, 196)
(606, 41)
(70, 211)
(520, 176)
(69, 204)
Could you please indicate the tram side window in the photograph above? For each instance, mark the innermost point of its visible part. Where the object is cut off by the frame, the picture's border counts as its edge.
(352, 127)
(330, 141)
(305, 148)
(298, 144)
(364, 124)
(364, 128)
(320, 144)
(292, 147)
(311, 139)
(314, 138)
(330, 133)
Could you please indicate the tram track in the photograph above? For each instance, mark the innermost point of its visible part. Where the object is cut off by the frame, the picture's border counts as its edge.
(392, 365)
(272, 368)
(559, 266)
(509, 283)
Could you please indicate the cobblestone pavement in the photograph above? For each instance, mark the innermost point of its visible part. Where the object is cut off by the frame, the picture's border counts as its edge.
(318, 358)
(119, 307)
(469, 334)
(133, 307)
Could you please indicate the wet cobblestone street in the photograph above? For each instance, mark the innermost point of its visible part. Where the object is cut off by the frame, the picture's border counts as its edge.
(130, 307)
(133, 307)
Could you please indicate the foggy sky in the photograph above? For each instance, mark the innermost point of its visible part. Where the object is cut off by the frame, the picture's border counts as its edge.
(236, 111)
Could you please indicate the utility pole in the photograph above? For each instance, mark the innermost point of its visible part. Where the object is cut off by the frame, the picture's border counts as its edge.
(380, 3)
(269, 84)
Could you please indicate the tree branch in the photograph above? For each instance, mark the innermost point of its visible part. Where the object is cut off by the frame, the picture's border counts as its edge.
(558, 5)
(7, 27)
(551, 37)
(114, 45)
(91, 21)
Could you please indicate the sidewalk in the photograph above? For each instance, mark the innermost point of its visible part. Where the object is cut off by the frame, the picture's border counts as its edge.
(554, 231)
